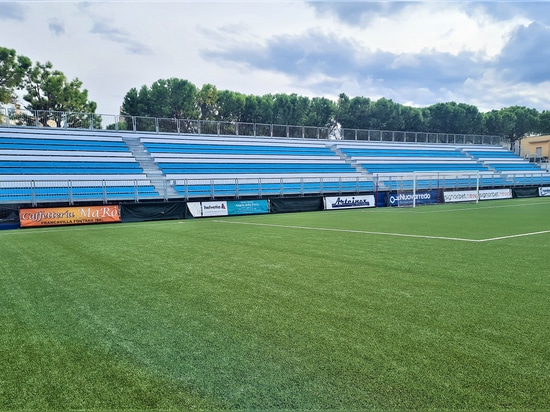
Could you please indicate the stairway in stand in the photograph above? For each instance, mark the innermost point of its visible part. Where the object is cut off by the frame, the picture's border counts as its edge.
(150, 168)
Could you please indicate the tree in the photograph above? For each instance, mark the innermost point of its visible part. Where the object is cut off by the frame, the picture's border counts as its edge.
(492, 123)
(282, 108)
(12, 72)
(413, 119)
(166, 98)
(50, 90)
(387, 115)
(358, 115)
(454, 118)
(207, 101)
(341, 115)
(544, 122)
(525, 122)
(321, 112)
(231, 106)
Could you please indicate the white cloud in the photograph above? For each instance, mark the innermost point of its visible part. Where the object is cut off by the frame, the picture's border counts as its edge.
(412, 52)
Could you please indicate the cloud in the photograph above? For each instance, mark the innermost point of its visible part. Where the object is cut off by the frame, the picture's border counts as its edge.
(361, 12)
(327, 63)
(11, 11)
(356, 12)
(506, 10)
(296, 55)
(120, 36)
(340, 59)
(56, 27)
(486, 53)
(526, 55)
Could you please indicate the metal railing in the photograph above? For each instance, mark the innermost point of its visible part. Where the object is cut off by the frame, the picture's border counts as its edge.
(36, 192)
(86, 121)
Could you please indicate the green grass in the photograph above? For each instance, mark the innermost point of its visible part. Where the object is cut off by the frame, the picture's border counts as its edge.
(324, 310)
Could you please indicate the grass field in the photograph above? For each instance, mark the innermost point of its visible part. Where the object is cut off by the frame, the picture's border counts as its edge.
(439, 307)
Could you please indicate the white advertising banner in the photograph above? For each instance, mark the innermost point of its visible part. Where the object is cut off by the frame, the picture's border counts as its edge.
(349, 202)
(544, 191)
(195, 209)
(214, 209)
(495, 194)
(471, 195)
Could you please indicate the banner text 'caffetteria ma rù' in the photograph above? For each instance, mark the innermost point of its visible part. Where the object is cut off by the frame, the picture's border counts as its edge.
(55, 216)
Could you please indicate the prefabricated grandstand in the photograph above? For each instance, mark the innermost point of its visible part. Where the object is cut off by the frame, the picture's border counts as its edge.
(194, 160)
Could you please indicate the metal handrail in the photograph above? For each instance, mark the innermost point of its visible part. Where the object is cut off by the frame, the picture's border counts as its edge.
(10, 117)
(55, 191)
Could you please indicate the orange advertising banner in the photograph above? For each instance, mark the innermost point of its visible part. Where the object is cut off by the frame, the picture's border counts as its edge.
(54, 216)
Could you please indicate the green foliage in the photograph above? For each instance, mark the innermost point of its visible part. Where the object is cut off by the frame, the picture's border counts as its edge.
(170, 98)
(351, 113)
(12, 71)
(50, 90)
(454, 118)
(207, 100)
(230, 106)
(269, 315)
(321, 112)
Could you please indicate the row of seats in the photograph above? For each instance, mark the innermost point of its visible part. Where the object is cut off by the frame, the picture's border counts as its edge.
(65, 154)
(278, 188)
(186, 169)
(197, 166)
(237, 149)
(52, 194)
(502, 160)
(186, 158)
(48, 165)
(37, 167)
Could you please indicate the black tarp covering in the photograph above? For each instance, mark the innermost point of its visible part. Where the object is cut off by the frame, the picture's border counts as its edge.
(296, 204)
(525, 192)
(9, 217)
(9, 214)
(140, 212)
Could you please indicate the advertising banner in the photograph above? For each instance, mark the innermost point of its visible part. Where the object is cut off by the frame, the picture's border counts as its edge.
(195, 209)
(55, 216)
(349, 202)
(471, 195)
(422, 197)
(493, 194)
(247, 207)
(544, 191)
(214, 208)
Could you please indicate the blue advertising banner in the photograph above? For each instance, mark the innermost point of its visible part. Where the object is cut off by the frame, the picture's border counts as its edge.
(423, 197)
(247, 207)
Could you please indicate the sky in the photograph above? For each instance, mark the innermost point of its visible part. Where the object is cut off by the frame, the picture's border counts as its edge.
(490, 54)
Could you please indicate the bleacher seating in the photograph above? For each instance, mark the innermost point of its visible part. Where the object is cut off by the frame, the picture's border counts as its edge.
(307, 167)
(409, 158)
(51, 165)
(68, 166)
(502, 160)
(191, 158)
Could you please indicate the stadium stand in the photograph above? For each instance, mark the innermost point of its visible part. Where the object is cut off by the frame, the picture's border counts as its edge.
(40, 165)
(264, 167)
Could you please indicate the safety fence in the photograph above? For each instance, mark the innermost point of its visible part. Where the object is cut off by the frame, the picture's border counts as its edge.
(70, 192)
(11, 117)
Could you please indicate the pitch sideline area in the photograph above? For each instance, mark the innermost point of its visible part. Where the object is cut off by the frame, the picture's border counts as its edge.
(499, 207)
(199, 314)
